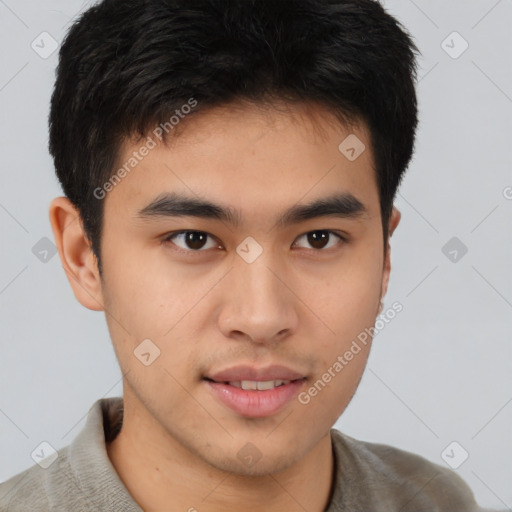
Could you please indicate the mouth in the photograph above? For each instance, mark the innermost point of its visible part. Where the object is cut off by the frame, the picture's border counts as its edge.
(255, 385)
(254, 393)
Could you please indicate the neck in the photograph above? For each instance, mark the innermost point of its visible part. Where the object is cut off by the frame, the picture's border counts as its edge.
(162, 475)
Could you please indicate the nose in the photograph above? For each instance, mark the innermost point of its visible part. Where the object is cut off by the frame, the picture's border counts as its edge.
(258, 304)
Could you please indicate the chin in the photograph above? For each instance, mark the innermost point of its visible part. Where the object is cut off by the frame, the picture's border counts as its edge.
(263, 467)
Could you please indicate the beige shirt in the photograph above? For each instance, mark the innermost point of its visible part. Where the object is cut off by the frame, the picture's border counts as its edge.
(368, 477)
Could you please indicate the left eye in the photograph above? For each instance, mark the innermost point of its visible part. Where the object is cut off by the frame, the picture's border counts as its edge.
(321, 239)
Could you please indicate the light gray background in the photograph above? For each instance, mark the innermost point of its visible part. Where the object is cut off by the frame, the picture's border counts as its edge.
(441, 371)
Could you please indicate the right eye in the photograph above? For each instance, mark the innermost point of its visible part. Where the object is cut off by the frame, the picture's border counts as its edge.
(190, 241)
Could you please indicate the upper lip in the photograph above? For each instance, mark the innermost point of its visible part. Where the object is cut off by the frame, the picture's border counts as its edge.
(240, 373)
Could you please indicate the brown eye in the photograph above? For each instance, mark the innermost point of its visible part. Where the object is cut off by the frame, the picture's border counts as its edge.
(193, 241)
(321, 239)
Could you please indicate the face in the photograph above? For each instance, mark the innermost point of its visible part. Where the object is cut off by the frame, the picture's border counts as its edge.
(239, 295)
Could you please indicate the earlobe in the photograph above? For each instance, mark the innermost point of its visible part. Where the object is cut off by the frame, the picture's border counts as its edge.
(394, 219)
(75, 253)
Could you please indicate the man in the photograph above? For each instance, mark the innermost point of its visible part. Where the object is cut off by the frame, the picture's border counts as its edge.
(229, 170)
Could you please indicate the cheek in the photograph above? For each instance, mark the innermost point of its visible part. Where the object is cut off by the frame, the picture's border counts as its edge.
(146, 297)
(341, 362)
(147, 303)
(345, 297)
(347, 305)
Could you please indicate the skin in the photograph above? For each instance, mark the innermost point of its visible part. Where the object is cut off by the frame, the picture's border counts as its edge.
(296, 305)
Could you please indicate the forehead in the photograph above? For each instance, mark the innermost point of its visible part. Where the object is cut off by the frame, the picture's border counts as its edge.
(245, 121)
(250, 157)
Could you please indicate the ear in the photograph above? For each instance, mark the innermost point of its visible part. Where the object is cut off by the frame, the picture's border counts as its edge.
(76, 254)
(394, 219)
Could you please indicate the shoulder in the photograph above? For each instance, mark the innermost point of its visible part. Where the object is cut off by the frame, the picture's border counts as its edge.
(37, 487)
(400, 478)
(80, 477)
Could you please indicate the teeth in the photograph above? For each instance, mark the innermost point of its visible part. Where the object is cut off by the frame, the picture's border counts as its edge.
(258, 385)
(249, 384)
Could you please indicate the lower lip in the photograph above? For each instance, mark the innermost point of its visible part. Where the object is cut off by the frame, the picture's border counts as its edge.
(253, 403)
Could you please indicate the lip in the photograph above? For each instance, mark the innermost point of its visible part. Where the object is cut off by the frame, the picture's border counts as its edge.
(252, 403)
(244, 372)
(255, 403)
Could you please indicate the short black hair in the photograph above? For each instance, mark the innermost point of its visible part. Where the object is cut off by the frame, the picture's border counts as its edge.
(127, 66)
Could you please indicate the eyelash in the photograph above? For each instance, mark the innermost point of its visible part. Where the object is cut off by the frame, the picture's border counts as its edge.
(170, 236)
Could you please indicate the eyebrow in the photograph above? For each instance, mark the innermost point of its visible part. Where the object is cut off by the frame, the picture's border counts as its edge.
(341, 205)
